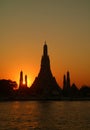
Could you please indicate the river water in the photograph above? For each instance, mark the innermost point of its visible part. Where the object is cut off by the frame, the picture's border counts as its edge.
(45, 115)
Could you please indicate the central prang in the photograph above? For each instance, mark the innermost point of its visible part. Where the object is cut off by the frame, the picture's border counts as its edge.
(45, 85)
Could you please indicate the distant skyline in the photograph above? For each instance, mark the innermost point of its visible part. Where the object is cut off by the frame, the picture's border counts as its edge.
(64, 24)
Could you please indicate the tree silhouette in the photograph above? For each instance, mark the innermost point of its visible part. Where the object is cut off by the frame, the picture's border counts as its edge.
(7, 88)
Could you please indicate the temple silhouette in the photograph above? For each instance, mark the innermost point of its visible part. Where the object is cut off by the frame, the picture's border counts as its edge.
(21, 84)
(45, 84)
(44, 87)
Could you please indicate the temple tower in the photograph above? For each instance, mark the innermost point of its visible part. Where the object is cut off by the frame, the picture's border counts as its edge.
(68, 80)
(45, 49)
(26, 80)
(21, 79)
(64, 83)
(45, 84)
(45, 62)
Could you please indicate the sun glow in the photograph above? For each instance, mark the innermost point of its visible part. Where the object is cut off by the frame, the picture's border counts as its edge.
(29, 82)
(24, 82)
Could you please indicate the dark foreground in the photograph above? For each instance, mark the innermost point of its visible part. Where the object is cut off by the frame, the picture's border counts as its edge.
(45, 99)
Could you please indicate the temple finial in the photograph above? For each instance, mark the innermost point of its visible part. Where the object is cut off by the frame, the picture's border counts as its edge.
(45, 50)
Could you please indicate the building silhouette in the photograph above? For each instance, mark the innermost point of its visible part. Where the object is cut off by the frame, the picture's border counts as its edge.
(45, 84)
(26, 80)
(66, 84)
(21, 79)
(68, 80)
(22, 85)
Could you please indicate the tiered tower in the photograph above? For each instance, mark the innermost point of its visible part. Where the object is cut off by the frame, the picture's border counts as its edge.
(26, 80)
(45, 84)
(21, 79)
(66, 84)
(68, 80)
(21, 84)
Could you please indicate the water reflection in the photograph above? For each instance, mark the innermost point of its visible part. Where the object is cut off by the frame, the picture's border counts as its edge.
(35, 115)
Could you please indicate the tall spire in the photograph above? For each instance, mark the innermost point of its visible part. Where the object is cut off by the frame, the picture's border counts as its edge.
(45, 62)
(64, 83)
(45, 85)
(68, 80)
(45, 49)
(26, 80)
(21, 79)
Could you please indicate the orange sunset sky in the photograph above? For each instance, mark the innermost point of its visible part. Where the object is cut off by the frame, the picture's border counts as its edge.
(64, 24)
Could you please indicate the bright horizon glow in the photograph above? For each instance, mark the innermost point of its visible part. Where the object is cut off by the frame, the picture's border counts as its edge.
(28, 82)
(64, 24)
